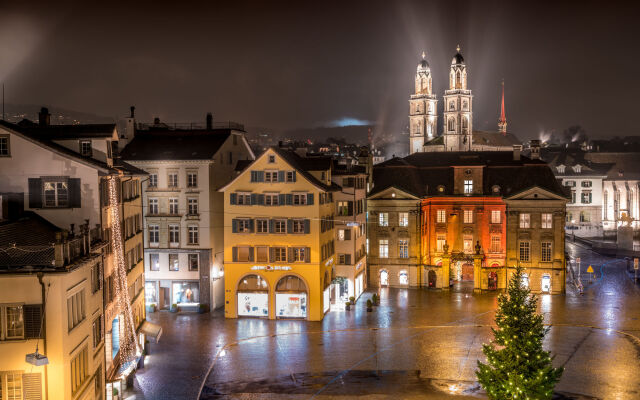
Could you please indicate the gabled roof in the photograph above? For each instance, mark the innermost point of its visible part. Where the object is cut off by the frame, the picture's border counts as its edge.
(574, 157)
(487, 138)
(175, 145)
(621, 166)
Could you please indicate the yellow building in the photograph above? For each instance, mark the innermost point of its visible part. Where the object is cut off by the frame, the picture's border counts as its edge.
(279, 237)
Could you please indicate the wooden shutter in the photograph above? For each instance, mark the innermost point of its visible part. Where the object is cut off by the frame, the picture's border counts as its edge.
(289, 197)
(290, 254)
(234, 225)
(260, 176)
(35, 193)
(32, 320)
(310, 198)
(233, 198)
(280, 176)
(75, 192)
(251, 250)
(272, 254)
(347, 234)
(281, 199)
(32, 386)
(307, 254)
(350, 208)
(307, 227)
(254, 176)
(294, 175)
(251, 225)
(289, 225)
(347, 259)
(261, 199)
(271, 226)
(254, 199)
(234, 254)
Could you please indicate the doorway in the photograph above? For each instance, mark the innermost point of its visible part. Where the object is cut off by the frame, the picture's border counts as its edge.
(384, 278)
(467, 272)
(493, 280)
(546, 283)
(432, 279)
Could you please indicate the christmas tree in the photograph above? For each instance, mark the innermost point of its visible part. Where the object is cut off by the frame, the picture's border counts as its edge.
(517, 365)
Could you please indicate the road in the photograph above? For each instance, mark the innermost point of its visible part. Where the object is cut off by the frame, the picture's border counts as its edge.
(417, 343)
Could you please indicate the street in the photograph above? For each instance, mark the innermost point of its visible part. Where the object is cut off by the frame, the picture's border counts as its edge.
(417, 343)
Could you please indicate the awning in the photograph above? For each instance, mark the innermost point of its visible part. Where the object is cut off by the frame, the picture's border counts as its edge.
(151, 330)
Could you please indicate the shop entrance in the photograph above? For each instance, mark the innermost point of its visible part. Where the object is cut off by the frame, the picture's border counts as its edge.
(546, 283)
(384, 278)
(493, 280)
(291, 298)
(253, 297)
(432, 279)
(339, 293)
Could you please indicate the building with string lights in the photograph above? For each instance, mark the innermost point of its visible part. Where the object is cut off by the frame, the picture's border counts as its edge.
(71, 242)
(183, 211)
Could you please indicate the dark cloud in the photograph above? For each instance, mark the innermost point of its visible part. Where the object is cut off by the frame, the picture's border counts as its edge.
(302, 64)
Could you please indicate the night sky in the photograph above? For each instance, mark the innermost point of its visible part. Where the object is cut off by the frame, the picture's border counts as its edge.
(284, 65)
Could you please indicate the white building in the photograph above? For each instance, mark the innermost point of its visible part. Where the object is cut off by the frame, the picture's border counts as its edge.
(183, 212)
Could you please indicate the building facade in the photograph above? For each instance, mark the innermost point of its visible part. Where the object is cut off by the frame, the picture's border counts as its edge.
(183, 211)
(279, 251)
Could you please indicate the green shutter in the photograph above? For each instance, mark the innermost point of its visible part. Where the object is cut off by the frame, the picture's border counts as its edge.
(282, 199)
(289, 225)
(307, 227)
(234, 225)
(254, 199)
(294, 175)
(260, 176)
(233, 198)
(234, 254)
(251, 258)
(289, 197)
(307, 254)
(310, 198)
(280, 176)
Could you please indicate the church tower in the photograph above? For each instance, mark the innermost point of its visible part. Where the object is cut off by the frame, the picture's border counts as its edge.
(458, 114)
(422, 109)
(502, 122)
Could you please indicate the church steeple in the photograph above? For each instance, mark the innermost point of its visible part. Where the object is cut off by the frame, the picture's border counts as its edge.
(422, 108)
(502, 122)
(458, 130)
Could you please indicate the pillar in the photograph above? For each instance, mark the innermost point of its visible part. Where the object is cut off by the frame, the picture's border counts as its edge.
(477, 273)
(445, 275)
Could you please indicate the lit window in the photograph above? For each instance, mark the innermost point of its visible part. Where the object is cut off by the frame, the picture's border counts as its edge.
(495, 216)
(383, 249)
(340, 234)
(440, 242)
(14, 320)
(468, 216)
(194, 262)
(545, 254)
(468, 186)
(403, 219)
(383, 219)
(546, 221)
(56, 194)
(467, 243)
(154, 261)
(495, 244)
(174, 264)
(525, 251)
(403, 248)
(344, 208)
(525, 220)
(441, 217)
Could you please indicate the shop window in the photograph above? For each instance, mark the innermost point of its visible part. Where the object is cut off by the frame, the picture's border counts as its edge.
(150, 293)
(252, 282)
(186, 292)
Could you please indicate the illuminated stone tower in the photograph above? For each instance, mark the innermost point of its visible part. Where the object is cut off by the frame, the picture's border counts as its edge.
(423, 115)
(457, 108)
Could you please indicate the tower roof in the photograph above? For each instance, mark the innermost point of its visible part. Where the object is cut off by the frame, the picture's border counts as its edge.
(502, 122)
(423, 64)
(457, 59)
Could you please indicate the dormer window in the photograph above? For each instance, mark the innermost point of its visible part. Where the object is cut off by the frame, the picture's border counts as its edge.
(570, 183)
(577, 168)
(85, 148)
(272, 159)
(560, 169)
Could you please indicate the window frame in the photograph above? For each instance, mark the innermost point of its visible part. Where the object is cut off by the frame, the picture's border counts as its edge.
(193, 234)
(174, 206)
(83, 152)
(546, 221)
(383, 248)
(524, 221)
(170, 183)
(154, 233)
(151, 257)
(496, 216)
(524, 248)
(264, 223)
(403, 248)
(403, 219)
(8, 145)
(190, 258)
(57, 202)
(468, 186)
(383, 219)
(174, 235)
(192, 179)
(441, 216)
(467, 216)
(174, 257)
(546, 251)
(192, 206)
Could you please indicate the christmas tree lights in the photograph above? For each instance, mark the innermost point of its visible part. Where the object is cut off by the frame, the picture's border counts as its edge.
(128, 344)
(517, 365)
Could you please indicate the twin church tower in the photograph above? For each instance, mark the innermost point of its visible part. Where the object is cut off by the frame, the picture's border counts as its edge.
(458, 134)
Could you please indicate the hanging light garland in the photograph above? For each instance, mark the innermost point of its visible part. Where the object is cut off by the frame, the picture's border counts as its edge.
(128, 344)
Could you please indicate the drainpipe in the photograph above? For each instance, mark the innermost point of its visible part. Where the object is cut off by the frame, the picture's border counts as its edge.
(40, 275)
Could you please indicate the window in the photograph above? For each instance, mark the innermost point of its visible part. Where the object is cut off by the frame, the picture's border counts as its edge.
(570, 183)
(546, 221)
(441, 240)
(172, 179)
(545, 248)
(441, 216)
(13, 326)
(271, 199)
(262, 226)
(192, 206)
(452, 124)
(468, 186)
(96, 277)
(467, 244)
(193, 234)
(585, 197)
(243, 199)
(79, 369)
(173, 206)
(344, 209)
(153, 206)
(85, 148)
(344, 259)
(154, 234)
(298, 226)
(97, 331)
(403, 248)
(271, 176)
(525, 251)
(468, 216)
(299, 199)
(154, 262)
(4, 146)
(586, 184)
(383, 219)
(299, 254)
(56, 194)
(153, 180)
(194, 262)
(495, 244)
(383, 248)
(403, 219)
(174, 235)
(280, 254)
(280, 226)
(525, 220)
(174, 264)
(573, 196)
(344, 234)
(262, 254)
(495, 216)
(272, 159)
(291, 176)
(192, 179)
(11, 384)
(244, 225)
(585, 216)
(244, 253)
(75, 309)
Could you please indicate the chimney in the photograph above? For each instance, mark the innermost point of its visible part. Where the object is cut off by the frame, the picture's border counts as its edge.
(209, 121)
(44, 117)
(517, 149)
(133, 112)
(156, 121)
(535, 149)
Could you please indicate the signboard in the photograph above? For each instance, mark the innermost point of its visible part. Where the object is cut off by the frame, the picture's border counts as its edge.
(271, 268)
(590, 270)
(635, 263)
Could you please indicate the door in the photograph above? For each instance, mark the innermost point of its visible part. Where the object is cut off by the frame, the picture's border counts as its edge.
(467, 272)
(493, 280)
(432, 279)
(162, 302)
(546, 283)
(384, 278)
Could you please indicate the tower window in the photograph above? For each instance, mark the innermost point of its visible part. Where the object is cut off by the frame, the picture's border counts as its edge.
(458, 81)
(468, 186)
(452, 106)
(452, 124)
